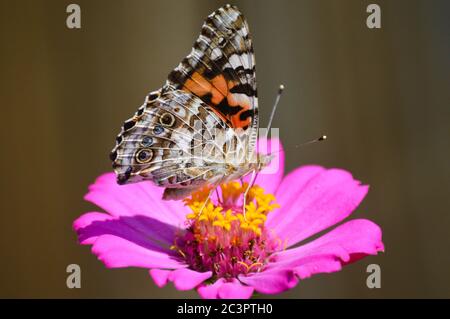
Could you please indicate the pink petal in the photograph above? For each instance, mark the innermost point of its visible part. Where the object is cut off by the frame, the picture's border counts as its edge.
(292, 184)
(141, 230)
(210, 291)
(128, 240)
(235, 290)
(313, 199)
(117, 252)
(344, 244)
(223, 289)
(270, 177)
(84, 221)
(183, 279)
(160, 276)
(142, 198)
(271, 281)
(187, 279)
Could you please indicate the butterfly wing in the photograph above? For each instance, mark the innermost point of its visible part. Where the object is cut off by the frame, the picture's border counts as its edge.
(214, 86)
(164, 141)
(220, 70)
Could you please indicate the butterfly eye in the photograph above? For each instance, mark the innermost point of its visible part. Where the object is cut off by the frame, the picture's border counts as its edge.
(147, 141)
(167, 119)
(144, 155)
(158, 129)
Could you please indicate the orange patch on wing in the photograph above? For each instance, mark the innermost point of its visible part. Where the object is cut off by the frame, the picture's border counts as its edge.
(243, 101)
(221, 84)
(200, 86)
(219, 88)
(237, 122)
(236, 100)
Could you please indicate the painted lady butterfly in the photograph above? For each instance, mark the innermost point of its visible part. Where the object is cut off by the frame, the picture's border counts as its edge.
(201, 127)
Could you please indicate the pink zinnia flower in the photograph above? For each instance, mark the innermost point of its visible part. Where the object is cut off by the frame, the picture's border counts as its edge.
(219, 252)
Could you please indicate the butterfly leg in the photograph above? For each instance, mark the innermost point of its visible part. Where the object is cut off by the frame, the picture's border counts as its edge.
(218, 196)
(254, 180)
(250, 185)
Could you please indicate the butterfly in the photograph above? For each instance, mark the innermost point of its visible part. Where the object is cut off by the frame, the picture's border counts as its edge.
(201, 128)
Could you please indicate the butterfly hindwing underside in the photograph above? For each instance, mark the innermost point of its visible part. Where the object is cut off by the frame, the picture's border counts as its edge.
(213, 88)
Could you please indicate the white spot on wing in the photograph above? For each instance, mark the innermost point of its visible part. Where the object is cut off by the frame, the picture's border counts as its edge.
(216, 54)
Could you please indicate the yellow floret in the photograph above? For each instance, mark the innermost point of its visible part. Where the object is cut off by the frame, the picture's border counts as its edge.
(259, 205)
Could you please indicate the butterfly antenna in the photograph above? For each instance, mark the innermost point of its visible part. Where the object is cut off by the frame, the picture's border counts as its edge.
(319, 139)
(274, 108)
(269, 125)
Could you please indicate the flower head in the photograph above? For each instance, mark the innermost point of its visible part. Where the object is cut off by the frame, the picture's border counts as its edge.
(224, 240)
(212, 246)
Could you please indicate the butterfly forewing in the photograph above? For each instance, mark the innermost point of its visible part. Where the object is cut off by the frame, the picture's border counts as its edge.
(220, 70)
(204, 119)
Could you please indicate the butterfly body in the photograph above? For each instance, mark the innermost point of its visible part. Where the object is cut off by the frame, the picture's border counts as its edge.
(201, 127)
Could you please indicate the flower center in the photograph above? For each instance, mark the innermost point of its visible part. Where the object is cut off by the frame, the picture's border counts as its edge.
(221, 239)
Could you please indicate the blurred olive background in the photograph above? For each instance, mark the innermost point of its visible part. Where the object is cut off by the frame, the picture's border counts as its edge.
(381, 96)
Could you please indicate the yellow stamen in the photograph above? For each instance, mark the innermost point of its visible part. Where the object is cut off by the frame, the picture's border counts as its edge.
(259, 205)
(255, 265)
(244, 264)
(175, 247)
(224, 221)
